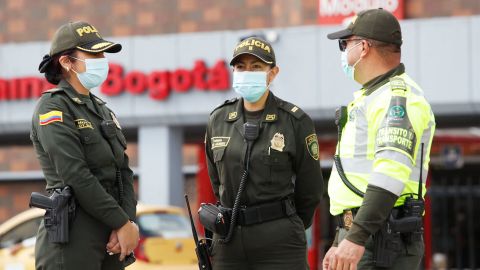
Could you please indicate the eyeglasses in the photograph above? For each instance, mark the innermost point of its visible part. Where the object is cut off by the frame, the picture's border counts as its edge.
(342, 43)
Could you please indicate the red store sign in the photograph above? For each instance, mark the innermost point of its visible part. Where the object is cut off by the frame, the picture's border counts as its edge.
(336, 11)
(159, 84)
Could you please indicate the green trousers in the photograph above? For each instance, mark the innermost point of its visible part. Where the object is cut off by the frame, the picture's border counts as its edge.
(410, 258)
(274, 245)
(85, 250)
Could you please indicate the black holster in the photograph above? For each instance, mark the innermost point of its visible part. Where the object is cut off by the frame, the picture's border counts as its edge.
(387, 246)
(60, 212)
(404, 226)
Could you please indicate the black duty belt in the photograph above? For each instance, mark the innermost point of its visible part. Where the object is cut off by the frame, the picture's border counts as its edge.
(345, 220)
(265, 212)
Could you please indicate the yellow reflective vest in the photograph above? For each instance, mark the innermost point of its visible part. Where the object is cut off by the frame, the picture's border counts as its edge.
(380, 143)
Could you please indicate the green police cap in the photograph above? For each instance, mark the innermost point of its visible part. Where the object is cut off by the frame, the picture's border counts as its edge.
(77, 35)
(256, 47)
(82, 36)
(377, 24)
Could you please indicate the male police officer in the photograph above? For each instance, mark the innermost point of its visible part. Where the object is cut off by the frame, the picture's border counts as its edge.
(284, 183)
(379, 157)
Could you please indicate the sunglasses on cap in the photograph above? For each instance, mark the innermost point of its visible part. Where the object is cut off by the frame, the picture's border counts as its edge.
(342, 43)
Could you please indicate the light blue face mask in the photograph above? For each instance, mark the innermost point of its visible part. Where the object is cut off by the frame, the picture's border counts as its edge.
(96, 71)
(251, 85)
(347, 69)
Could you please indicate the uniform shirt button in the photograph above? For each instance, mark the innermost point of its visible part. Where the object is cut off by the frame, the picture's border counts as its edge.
(87, 138)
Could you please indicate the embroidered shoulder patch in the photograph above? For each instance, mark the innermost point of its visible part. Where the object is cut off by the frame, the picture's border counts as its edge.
(312, 146)
(50, 117)
(396, 131)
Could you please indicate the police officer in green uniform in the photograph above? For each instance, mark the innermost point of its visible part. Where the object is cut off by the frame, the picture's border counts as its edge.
(377, 185)
(284, 183)
(80, 144)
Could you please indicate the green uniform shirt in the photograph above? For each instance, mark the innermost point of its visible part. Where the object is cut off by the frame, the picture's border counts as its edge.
(68, 140)
(284, 160)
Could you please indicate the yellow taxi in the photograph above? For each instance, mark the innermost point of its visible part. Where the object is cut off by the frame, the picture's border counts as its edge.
(166, 241)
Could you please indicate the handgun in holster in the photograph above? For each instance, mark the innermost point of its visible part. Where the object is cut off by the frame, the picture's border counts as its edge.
(60, 210)
(387, 246)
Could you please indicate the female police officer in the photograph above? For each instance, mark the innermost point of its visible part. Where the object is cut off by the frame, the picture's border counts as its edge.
(80, 144)
(284, 183)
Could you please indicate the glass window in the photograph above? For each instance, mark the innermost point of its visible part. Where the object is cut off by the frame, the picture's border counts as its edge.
(164, 225)
(26, 230)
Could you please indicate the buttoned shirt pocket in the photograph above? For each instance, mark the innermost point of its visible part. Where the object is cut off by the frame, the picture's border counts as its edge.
(280, 166)
(93, 148)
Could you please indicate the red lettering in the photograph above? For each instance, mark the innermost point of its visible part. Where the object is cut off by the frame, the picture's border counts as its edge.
(135, 82)
(3, 89)
(13, 89)
(113, 85)
(181, 80)
(30, 88)
(200, 72)
(159, 85)
(219, 77)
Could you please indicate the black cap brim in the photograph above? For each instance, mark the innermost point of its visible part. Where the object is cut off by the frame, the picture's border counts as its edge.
(340, 34)
(100, 46)
(234, 59)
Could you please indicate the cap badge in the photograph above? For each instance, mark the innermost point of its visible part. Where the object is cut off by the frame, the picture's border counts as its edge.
(278, 142)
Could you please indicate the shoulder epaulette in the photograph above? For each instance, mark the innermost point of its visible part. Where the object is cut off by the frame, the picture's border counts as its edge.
(397, 83)
(53, 90)
(227, 102)
(290, 108)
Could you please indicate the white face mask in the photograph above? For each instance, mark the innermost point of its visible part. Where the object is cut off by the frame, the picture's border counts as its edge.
(347, 69)
(96, 72)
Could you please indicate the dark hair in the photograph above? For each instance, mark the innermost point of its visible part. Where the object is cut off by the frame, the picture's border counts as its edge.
(53, 72)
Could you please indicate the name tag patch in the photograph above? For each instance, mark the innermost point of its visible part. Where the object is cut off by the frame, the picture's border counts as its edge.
(82, 123)
(218, 142)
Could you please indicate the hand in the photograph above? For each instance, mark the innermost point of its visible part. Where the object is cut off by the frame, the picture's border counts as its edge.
(328, 258)
(128, 237)
(113, 246)
(347, 256)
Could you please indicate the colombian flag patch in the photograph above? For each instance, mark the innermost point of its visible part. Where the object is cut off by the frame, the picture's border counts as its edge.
(50, 117)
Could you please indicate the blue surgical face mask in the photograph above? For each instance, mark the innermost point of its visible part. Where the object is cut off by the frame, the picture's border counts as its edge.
(347, 69)
(96, 71)
(251, 85)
